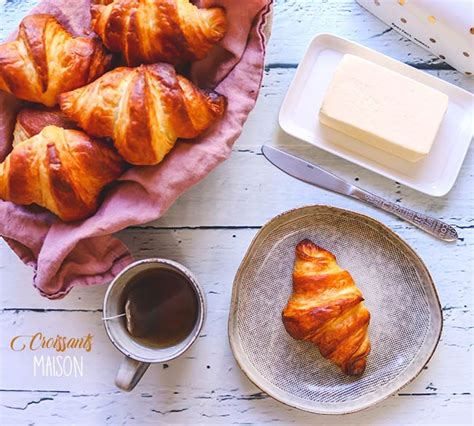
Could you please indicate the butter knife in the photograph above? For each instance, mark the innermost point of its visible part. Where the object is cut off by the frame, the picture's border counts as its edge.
(315, 175)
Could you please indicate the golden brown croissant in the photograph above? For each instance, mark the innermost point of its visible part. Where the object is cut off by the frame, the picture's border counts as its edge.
(326, 308)
(46, 60)
(149, 31)
(144, 110)
(61, 170)
(31, 120)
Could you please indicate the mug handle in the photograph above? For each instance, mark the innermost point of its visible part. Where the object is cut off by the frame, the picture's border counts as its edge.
(129, 373)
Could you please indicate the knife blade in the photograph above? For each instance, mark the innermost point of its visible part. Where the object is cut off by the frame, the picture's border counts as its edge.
(306, 171)
(317, 176)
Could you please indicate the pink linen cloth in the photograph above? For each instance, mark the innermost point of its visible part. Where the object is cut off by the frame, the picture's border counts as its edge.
(85, 253)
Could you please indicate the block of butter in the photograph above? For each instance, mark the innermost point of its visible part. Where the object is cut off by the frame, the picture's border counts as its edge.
(382, 108)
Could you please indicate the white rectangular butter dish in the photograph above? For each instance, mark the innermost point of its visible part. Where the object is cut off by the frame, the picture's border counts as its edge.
(434, 175)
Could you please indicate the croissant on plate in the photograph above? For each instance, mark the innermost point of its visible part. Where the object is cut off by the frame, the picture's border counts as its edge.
(327, 309)
(149, 31)
(31, 120)
(46, 60)
(144, 110)
(61, 170)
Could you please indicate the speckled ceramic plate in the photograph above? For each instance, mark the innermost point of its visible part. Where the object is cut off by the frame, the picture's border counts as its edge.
(406, 317)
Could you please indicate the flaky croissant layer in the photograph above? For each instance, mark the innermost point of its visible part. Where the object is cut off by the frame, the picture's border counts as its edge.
(144, 110)
(46, 60)
(61, 170)
(149, 31)
(327, 309)
(32, 119)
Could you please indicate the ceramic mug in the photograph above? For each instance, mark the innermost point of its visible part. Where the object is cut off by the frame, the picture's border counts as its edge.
(138, 357)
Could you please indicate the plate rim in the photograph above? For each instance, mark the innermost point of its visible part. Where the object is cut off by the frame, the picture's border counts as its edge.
(369, 166)
(231, 324)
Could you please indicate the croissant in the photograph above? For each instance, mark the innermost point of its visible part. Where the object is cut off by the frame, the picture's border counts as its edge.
(327, 309)
(46, 60)
(149, 31)
(61, 170)
(31, 120)
(144, 110)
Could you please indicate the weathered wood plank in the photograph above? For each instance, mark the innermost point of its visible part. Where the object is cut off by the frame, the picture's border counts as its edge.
(458, 323)
(223, 405)
(215, 254)
(205, 380)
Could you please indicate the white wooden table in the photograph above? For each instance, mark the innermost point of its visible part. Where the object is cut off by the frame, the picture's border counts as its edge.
(208, 230)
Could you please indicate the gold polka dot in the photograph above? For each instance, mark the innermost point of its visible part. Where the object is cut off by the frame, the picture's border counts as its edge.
(377, 2)
(432, 40)
(466, 54)
(442, 57)
(401, 2)
(471, 30)
(403, 20)
(468, 73)
(431, 19)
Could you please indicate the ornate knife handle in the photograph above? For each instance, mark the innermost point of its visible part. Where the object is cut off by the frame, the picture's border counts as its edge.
(429, 224)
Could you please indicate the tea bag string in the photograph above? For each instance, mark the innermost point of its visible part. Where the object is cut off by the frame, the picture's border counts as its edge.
(113, 317)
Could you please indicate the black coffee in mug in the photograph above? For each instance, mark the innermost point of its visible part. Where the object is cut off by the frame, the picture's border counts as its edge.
(161, 308)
